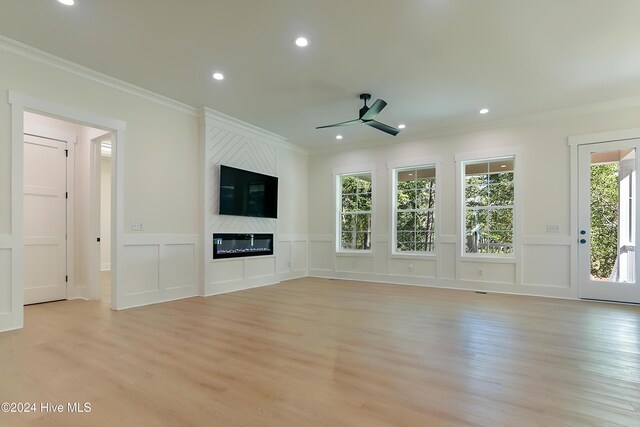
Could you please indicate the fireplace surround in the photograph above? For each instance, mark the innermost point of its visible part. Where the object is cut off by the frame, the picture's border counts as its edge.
(234, 245)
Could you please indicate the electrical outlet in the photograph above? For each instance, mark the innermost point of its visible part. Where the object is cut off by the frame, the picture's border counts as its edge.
(136, 226)
(553, 228)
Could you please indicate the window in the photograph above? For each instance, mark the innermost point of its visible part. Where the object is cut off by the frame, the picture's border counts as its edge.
(414, 207)
(354, 222)
(489, 206)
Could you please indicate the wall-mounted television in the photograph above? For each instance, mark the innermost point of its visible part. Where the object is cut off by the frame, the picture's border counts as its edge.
(245, 193)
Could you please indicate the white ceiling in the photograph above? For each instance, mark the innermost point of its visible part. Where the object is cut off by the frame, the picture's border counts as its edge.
(436, 62)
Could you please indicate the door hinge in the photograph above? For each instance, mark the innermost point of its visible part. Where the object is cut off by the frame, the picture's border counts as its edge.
(66, 194)
(98, 240)
(66, 278)
(66, 153)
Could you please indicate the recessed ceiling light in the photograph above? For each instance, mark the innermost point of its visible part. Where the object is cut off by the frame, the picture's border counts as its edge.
(338, 136)
(302, 42)
(67, 2)
(484, 111)
(401, 126)
(218, 76)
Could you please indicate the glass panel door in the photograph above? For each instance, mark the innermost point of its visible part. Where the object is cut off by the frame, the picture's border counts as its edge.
(607, 219)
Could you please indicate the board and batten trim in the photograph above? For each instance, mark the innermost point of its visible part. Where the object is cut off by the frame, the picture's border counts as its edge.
(519, 286)
(162, 290)
(291, 272)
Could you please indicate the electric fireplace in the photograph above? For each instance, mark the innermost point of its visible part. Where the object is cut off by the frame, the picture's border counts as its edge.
(228, 245)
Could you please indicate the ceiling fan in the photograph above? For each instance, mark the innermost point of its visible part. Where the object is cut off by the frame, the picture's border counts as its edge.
(367, 115)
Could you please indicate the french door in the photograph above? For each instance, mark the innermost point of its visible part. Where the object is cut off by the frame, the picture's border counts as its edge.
(607, 233)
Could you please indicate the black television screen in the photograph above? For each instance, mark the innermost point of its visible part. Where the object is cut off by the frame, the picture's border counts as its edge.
(245, 193)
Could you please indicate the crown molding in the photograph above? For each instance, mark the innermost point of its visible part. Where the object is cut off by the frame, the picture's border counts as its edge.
(209, 116)
(26, 51)
(592, 108)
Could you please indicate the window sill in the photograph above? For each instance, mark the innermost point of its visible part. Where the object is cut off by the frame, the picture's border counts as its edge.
(355, 253)
(505, 259)
(400, 255)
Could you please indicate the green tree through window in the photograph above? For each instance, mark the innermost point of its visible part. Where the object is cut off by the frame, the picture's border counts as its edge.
(489, 206)
(355, 211)
(414, 209)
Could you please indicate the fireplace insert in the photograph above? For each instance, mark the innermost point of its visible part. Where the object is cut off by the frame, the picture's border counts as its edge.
(228, 245)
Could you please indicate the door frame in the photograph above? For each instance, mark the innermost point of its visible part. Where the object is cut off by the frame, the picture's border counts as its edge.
(574, 142)
(19, 104)
(95, 209)
(71, 140)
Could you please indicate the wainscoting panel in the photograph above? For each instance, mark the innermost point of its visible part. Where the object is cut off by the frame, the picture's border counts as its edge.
(355, 264)
(227, 270)
(299, 257)
(284, 257)
(488, 272)
(546, 265)
(158, 268)
(292, 257)
(260, 267)
(447, 260)
(140, 272)
(412, 267)
(321, 255)
(178, 266)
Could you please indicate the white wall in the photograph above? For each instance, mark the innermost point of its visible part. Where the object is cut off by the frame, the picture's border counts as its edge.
(105, 213)
(542, 262)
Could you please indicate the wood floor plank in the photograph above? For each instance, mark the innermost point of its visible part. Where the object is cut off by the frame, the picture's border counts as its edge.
(318, 352)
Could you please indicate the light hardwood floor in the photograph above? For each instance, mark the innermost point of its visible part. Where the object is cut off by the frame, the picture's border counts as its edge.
(316, 352)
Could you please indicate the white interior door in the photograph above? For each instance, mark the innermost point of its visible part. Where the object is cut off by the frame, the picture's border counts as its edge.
(45, 219)
(608, 216)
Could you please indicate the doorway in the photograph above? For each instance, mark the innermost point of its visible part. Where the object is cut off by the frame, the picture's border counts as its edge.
(62, 182)
(607, 221)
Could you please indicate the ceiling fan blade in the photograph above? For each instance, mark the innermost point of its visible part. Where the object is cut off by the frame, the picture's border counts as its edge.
(347, 123)
(384, 128)
(374, 110)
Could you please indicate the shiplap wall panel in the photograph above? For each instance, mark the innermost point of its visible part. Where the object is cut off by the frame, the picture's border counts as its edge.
(229, 149)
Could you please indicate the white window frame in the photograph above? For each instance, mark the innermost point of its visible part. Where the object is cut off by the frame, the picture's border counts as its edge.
(394, 168)
(485, 156)
(337, 192)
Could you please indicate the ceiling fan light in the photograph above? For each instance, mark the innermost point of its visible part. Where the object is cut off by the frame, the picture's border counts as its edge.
(401, 126)
(218, 76)
(484, 111)
(338, 137)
